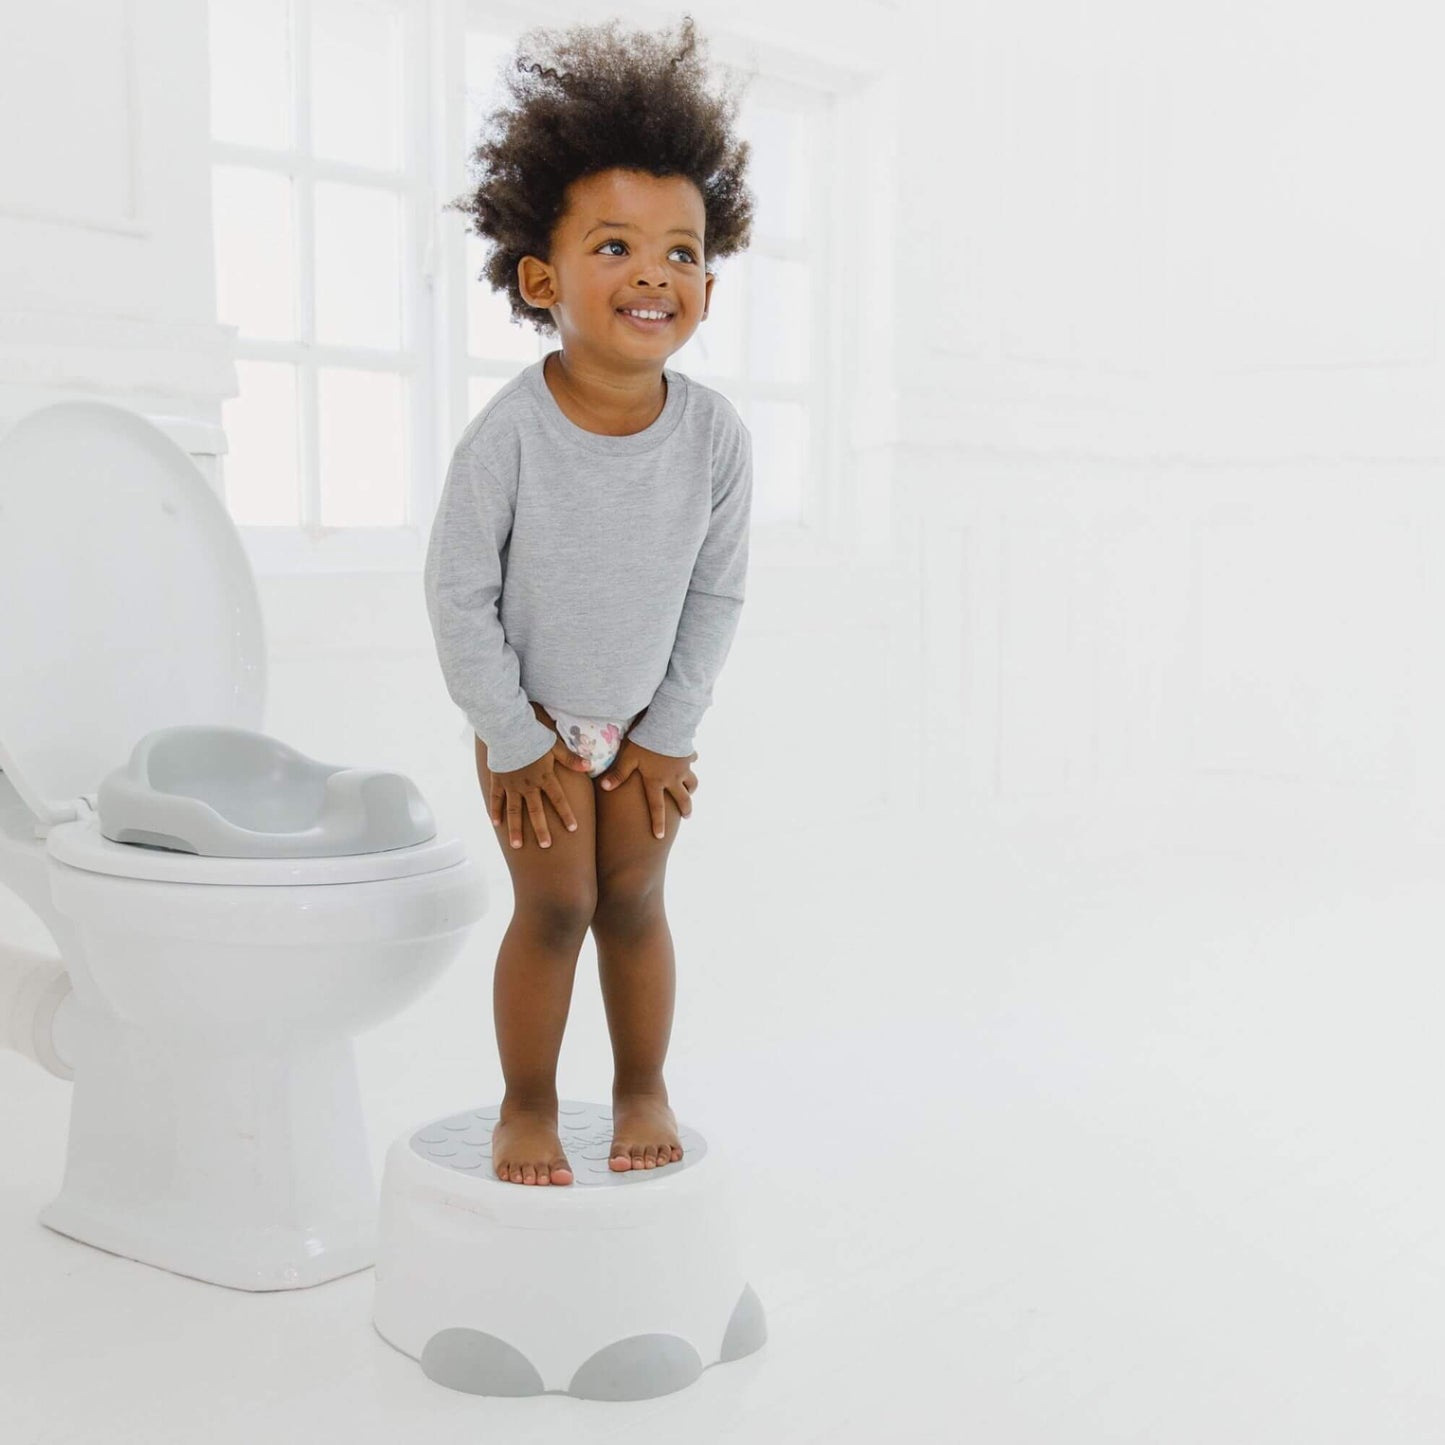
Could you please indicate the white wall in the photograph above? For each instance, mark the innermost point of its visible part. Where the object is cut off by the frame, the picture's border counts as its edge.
(106, 281)
(1172, 439)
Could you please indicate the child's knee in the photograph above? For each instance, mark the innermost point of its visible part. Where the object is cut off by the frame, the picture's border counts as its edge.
(559, 914)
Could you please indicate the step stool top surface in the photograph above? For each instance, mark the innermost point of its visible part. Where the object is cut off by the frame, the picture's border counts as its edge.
(464, 1142)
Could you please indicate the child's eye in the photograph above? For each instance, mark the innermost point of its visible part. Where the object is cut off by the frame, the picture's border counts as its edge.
(688, 249)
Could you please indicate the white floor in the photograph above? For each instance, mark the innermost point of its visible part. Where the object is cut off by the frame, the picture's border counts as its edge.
(1040, 1143)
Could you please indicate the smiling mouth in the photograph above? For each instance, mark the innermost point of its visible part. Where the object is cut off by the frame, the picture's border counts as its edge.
(643, 323)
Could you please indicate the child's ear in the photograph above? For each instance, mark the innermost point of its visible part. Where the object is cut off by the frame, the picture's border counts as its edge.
(534, 281)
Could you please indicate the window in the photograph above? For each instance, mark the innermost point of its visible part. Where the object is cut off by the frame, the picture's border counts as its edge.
(365, 341)
(321, 223)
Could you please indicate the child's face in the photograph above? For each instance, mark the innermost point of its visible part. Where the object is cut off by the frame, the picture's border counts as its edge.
(654, 254)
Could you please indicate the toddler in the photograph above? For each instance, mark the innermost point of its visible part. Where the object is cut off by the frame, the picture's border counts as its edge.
(586, 568)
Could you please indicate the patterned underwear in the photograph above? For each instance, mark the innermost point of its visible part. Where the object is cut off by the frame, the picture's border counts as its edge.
(595, 740)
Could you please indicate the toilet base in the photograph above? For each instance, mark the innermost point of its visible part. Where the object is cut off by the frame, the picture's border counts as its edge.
(244, 1169)
(621, 1285)
(250, 1259)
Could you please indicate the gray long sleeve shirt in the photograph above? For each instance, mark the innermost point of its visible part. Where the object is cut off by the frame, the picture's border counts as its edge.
(599, 575)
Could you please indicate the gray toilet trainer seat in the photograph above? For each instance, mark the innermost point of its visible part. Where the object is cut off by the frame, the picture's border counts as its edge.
(227, 792)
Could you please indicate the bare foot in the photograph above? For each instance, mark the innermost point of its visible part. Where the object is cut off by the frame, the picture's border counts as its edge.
(526, 1148)
(644, 1132)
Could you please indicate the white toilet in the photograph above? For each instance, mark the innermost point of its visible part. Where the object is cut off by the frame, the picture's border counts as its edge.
(229, 912)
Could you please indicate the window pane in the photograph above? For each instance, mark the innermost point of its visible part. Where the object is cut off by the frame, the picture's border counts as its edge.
(250, 72)
(486, 53)
(363, 444)
(254, 270)
(358, 266)
(356, 58)
(491, 332)
(259, 472)
(480, 390)
(781, 315)
(779, 168)
(716, 347)
(780, 460)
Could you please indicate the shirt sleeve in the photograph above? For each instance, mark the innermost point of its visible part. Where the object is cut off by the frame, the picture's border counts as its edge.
(710, 612)
(463, 579)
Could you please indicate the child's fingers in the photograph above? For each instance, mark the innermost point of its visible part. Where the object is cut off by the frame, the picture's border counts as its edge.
(657, 802)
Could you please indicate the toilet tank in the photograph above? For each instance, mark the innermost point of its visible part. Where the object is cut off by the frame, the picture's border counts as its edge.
(203, 441)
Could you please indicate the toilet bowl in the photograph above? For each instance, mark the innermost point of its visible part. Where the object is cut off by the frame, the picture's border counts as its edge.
(229, 913)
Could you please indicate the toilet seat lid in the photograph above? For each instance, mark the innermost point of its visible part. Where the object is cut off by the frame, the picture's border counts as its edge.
(127, 602)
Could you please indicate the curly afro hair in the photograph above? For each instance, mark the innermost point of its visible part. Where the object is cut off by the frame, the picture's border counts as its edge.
(586, 100)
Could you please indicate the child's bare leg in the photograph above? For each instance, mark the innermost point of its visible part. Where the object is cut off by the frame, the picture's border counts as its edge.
(555, 891)
(531, 995)
(636, 965)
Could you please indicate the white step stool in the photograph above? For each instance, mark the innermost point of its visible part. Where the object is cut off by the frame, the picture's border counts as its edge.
(623, 1285)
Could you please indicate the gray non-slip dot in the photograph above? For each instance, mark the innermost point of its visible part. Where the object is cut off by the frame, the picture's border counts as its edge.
(479, 1363)
(640, 1367)
(464, 1142)
(747, 1329)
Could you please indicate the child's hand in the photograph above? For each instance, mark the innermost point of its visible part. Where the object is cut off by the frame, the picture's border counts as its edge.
(661, 774)
(526, 787)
